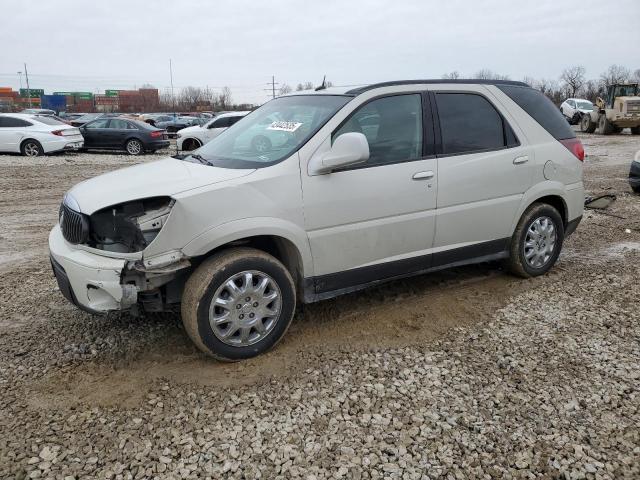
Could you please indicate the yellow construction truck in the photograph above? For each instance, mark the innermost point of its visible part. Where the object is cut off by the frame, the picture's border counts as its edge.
(619, 109)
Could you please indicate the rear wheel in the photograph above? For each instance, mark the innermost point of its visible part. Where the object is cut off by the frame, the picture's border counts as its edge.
(537, 241)
(586, 125)
(635, 130)
(134, 147)
(31, 148)
(605, 127)
(190, 144)
(238, 304)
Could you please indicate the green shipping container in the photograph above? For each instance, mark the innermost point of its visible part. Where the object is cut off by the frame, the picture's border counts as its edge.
(111, 93)
(33, 92)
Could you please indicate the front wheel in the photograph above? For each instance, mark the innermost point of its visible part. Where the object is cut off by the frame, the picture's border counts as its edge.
(537, 241)
(134, 147)
(586, 124)
(238, 304)
(605, 127)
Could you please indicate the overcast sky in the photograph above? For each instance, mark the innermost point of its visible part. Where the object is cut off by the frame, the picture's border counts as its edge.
(99, 44)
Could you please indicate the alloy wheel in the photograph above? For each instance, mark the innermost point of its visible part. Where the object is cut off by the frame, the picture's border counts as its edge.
(540, 242)
(245, 308)
(134, 147)
(31, 150)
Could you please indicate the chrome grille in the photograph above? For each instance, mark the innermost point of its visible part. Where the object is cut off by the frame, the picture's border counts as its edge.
(74, 225)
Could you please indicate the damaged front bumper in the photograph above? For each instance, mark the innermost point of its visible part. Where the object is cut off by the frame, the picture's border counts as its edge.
(91, 282)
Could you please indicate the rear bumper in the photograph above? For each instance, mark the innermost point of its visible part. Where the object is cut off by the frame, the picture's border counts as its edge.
(157, 144)
(91, 282)
(74, 142)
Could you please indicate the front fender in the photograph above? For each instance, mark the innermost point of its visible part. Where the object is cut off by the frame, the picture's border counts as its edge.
(251, 227)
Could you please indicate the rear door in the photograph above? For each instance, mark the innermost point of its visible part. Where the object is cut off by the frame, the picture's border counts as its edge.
(12, 131)
(117, 132)
(484, 168)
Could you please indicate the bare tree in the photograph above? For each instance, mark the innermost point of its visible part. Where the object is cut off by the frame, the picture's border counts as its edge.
(552, 89)
(636, 75)
(529, 81)
(284, 89)
(592, 89)
(304, 86)
(615, 74)
(574, 79)
(190, 97)
(452, 75)
(486, 74)
(223, 100)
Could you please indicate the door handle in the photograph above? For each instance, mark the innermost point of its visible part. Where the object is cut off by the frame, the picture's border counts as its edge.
(522, 159)
(423, 175)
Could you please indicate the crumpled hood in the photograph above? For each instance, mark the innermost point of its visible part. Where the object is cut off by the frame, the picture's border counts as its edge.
(164, 177)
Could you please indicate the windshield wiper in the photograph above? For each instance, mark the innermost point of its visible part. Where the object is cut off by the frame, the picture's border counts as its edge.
(201, 159)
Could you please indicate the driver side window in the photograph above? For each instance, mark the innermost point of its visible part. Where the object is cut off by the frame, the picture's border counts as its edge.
(392, 126)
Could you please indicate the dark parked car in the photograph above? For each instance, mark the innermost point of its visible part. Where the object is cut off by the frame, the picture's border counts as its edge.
(175, 124)
(123, 134)
(86, 118)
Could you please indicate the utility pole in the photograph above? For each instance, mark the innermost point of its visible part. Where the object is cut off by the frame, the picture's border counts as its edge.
(173, 97)
(20, 75)
(273, 84)
(26, 74)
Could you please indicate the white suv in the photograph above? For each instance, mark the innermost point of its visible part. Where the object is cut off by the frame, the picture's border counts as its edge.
(365, 185)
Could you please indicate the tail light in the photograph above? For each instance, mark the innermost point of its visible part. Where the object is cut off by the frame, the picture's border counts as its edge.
(574, 146)
(156, 134)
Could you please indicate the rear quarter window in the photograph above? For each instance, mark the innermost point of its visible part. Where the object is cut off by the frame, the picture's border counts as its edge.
(541, 109)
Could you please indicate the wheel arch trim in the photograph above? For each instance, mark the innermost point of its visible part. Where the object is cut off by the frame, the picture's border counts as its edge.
(248, 228)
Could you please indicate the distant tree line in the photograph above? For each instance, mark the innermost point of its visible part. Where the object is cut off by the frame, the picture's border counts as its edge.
(573, 81)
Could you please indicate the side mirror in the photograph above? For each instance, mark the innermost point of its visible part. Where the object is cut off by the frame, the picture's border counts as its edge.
(348, 149)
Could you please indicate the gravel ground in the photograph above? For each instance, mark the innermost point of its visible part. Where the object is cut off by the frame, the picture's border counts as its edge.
(464, 374)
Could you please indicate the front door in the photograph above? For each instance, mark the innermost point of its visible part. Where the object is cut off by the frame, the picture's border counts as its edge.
(94, 133)
(375, 220)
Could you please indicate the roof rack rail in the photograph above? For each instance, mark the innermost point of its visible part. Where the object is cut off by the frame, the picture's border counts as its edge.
(359, 90)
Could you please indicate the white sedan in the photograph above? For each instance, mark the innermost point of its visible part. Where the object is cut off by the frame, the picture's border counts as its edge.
(34, 135)
(194, 137)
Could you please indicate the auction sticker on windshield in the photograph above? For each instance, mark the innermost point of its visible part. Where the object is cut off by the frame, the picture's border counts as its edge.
(284, 126)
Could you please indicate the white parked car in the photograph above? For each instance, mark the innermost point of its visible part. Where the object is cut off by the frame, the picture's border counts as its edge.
(194, 137)
(574, 108)
(34, 135)
(372, 184)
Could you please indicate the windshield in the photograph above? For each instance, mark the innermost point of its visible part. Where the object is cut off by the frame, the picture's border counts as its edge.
(272, 132)
(585, 105)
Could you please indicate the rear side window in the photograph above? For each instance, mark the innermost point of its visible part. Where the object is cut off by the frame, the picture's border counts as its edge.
(541, 109)
(11, 122)
(470, 123)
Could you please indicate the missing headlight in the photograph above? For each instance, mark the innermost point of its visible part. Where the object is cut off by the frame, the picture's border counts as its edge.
(129, 227)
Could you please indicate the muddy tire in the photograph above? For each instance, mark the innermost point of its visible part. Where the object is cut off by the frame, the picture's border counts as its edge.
(238, 304)
(536, 242)
(605, 127)
(635, 130)
(586, 125)
(31, 148)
